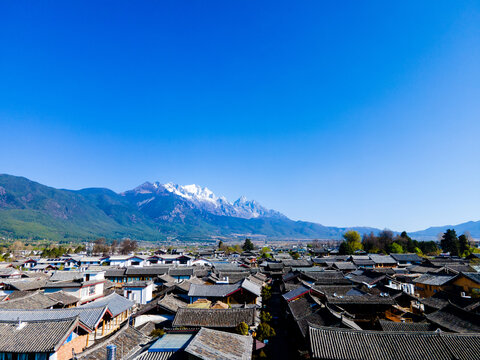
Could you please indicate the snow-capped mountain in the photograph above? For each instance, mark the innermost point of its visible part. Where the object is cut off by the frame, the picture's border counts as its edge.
(206, 200)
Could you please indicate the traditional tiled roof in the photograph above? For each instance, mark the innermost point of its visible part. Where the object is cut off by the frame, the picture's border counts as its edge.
(26, 284)
(473, 276)
(35, 336)
(436, 280)
(329, 277)
(61, 297)
(33, 300)
(251, 287)
(197, 290)
(344, 265)
(115, 272)
(343, 344)
(212, 344)
(404, 326)
(369, 277)
(128, 342)
(181, 271)
(215, 318)
(89, 317)
(407, 257)
(295, 293)
(115, 303)
(171, 303)
(147, 270)
(297, 263)
(455, 319)
(383, 259)
(66, 276)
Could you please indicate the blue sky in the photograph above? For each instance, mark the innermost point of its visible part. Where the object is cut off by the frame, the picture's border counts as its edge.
(343, 113)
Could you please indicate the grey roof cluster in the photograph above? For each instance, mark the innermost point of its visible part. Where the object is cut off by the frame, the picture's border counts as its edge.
(343, 344)
(215, 318)
(404, 326)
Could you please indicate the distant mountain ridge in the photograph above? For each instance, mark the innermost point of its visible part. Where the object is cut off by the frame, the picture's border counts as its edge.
(152, 212)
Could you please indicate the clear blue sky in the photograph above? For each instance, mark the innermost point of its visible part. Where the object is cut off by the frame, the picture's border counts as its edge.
(342, 113)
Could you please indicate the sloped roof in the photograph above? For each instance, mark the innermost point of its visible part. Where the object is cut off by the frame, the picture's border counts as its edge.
(295, 293)
(197, 290)
(66, 276)
(171, 303)
(215, 318)
(404, 326)
(431, 279)
(455, 319)
(26, 339)
(407, 257)
(345, 344)
(212, 344)
(115, 303)
(26, 284)
(89, 317)
(33, 300)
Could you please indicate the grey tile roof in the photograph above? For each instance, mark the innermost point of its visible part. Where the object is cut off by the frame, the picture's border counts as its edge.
(292, 294)
(115, 303)
(89, 317)
(382, 259)
(163, 355)
(181, 271)
(343, 344)
(35, 336)
(66, 276)
(115, 272)
(455, 319)
(33, 300)
(215, 318)
(171, 303)
(473, 276)
(399, 326)
(26, 284)
(147, 271)
(63, 298)
(251, 287)
(211, 344)
(407, 257)
(431, 279)
(197, 290)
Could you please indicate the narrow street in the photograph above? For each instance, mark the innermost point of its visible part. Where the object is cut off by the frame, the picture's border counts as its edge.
(280, 346)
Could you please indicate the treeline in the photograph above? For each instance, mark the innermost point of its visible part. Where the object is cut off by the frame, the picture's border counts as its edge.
(386, 242)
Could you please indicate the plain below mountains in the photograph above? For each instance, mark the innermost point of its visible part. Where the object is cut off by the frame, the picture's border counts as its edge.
(151, 212)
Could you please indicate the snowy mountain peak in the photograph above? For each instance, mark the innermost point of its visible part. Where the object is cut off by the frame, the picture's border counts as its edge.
(205, 199)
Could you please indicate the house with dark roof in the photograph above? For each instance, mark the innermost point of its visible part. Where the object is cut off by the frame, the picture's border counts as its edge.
(327, 343)
(455, 319)
(214, 318)
(42, 339)
(242, 292)
(467, 284)
(429, 284)
(407, 259)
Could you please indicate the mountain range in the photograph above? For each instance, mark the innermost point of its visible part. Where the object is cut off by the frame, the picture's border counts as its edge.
(153, 212)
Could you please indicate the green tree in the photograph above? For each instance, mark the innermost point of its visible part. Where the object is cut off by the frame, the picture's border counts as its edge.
(463, 245)
(248, 245)
(266, 293)
(450, 243)
(242, 328)
(265, 317)
(295, 255)
(264, 331)
(345, 248)
(395, 248)
(220, 244)
(354, 239)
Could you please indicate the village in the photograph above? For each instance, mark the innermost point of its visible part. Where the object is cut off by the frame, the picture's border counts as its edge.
(278, 302)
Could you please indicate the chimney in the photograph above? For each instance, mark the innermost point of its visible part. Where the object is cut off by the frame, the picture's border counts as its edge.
(111, 352)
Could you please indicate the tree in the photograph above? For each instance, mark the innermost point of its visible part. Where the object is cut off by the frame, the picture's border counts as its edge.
(128, 246)
(242, 328)
(266, 293)
(100, 246)
(395, 248)
(264, 331)
(295, 255)
(220, 244)
(265, 316)
(265, 252)
(353, 238)
(345, 248)
(450, 243)
(248, 245)
(464, 245)
(113, 247)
